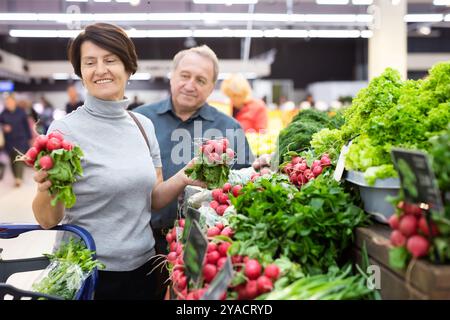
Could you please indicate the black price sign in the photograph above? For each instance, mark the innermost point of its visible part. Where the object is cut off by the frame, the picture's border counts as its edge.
(191, 215)
(194, 252)
(220, 283)
(417, 178)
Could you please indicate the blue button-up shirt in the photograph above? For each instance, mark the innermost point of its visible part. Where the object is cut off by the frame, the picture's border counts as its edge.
(177, 139)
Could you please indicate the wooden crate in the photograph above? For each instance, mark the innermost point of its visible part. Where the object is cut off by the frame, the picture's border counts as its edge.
(425, 280)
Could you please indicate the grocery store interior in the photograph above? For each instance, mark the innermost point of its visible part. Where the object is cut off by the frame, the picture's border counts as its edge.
(317, 58)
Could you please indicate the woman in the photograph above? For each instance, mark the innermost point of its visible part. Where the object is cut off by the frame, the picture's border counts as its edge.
(122, 180)
(249, 112)
(14, 123)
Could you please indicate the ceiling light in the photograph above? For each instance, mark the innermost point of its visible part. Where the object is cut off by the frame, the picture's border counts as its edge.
(141, 76)
(132, 2)
(334, 33)
(286, 33)
(190, 16)
(441, 2)
(362, 2)
(366, 34)
(247, 75)
(64, 76)
(205, 33)
(425, 30)
(424, 17)
(332, 2)
(44, 33)
(226, 2)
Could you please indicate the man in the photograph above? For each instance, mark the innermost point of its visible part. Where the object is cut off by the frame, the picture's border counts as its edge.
(74, 101)
(186, 112)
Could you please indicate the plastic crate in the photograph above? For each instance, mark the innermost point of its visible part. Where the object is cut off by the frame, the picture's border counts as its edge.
(10, 267)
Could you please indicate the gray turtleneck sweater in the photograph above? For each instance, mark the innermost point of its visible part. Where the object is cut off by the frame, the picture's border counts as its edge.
(114, 193)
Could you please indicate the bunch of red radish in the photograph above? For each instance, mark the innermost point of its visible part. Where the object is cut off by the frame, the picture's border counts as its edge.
(300, 173)
(221, 200)
(217, 151)
(411, 229)
(175, 255)
(258, 280)
(262, 172)
(46, 143)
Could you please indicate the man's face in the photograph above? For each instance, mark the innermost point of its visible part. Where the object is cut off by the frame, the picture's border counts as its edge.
(191, 82)
(10, 104)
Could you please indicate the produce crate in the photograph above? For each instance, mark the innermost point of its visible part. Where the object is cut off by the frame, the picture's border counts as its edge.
(374, 197)
(423, 280)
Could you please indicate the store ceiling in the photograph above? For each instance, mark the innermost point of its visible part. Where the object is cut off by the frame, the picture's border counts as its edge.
(187, 15)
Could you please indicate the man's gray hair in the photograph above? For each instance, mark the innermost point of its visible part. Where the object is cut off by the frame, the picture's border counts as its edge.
(203, 51)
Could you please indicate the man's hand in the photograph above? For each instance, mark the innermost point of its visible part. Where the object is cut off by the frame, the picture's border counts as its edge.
(6, 128)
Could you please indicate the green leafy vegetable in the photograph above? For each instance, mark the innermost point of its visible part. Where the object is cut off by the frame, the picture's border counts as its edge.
(70, 266)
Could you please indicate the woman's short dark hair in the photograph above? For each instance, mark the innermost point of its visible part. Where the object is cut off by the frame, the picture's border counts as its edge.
(109, 37)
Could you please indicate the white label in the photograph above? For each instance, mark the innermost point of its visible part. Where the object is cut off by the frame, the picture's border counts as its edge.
(340, 166)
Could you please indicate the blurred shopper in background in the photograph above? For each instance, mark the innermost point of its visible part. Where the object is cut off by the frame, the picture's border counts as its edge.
(194, 74)
(33, 117)
(17, 134)
(308, 103)
(46, 116)
(122, 178)
(74, 100)
(136, 103)
(250, 112)
(286, 105)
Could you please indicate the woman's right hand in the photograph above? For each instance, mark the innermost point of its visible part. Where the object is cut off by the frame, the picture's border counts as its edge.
(41, 179)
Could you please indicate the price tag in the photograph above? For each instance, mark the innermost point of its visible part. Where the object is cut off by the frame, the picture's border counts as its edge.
(194, 252)
(191, 215)
(220, 283)
(417, 178)
(340, 166)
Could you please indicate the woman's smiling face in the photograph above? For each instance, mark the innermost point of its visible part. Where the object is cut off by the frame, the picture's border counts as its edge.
(103, 73)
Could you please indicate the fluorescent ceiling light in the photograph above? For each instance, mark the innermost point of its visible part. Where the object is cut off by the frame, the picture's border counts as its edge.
(334, 33)
(76, 0)
(206, 33)
(18, 17)
(332, 2)
(227, 2)
(248, 75)
(141, 76)
(44, 33)
(285, 33)
(362, 2)
(64, 76)
(190, 16)
(169, 33)
(441, 2)
(424, 17)
(102, 0)
(227, 33)
(330, 17)
(447, 17)
(366, 34)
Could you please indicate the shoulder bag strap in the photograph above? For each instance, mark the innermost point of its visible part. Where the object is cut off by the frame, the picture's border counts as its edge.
(140, 129)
